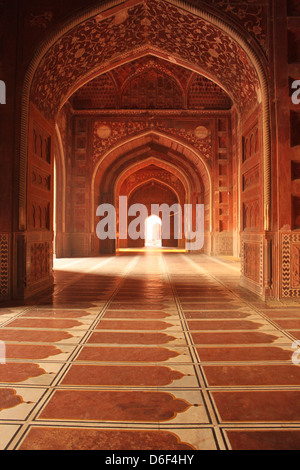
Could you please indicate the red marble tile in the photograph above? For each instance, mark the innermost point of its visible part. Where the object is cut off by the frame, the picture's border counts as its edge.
(209, 306)
(18, 351)
(289, 324)
(197, 290)
(136, 306)
(132, 325)
(143, 314)
(33, 336)
(148, 289)
(130, 338)
(223, 325)
(243, 354)
(277, 439)
(120, 354)
(232, 338)
(113, 406)
(258, 406)
(205, 297)
(295, 333)
(9, 398)
(121, 375)
(18, 372)
(45, 323)
(55, 314)
(43, 438)
(287, 313)
(71, 304)
(140, 297)
(215, 315)
(252, 375)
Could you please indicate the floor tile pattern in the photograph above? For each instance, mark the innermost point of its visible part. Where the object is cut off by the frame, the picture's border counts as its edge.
(152, 351)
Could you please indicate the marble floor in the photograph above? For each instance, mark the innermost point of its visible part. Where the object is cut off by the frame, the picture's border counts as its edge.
(150, 351)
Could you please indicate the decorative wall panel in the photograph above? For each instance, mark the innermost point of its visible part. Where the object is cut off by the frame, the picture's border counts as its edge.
(37, 248)
(223, 185)
(204, 93)
(40, 176)
(252, 261)
(4, 266)
(108, 133)
(152, 90)
(40, 261)
(290, 265)
(99, 93)
(223, 243)
(251, 178)
(251, 214)
(251, 143)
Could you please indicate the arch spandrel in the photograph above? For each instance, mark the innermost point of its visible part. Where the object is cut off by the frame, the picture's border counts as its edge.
(100, 42)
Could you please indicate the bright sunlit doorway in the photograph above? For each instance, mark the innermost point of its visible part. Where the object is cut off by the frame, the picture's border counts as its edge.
(153, 236)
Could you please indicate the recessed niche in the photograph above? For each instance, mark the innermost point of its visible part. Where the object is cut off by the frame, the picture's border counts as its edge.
(223, 142)
(223, 226)
(293, 8)
(81, 125)
(296, 212)
(295, 128)
(223, 170)
(293, 47)
(295, 170)
(223, 198)
(223, 155)
(222, 127)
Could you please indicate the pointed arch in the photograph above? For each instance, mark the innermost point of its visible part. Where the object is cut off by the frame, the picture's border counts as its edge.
(116, 13)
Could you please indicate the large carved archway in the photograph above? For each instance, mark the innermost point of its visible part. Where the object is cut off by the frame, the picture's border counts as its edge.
(119, 171)
(104, 38)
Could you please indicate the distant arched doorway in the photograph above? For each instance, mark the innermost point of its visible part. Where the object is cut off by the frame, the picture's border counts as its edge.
(153, 233)
(149, 194)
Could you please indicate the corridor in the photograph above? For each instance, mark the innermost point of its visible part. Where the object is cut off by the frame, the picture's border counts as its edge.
(151, 351)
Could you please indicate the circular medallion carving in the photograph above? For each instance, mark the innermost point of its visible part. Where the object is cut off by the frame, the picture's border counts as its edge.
(201, 132)
(104, 131)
